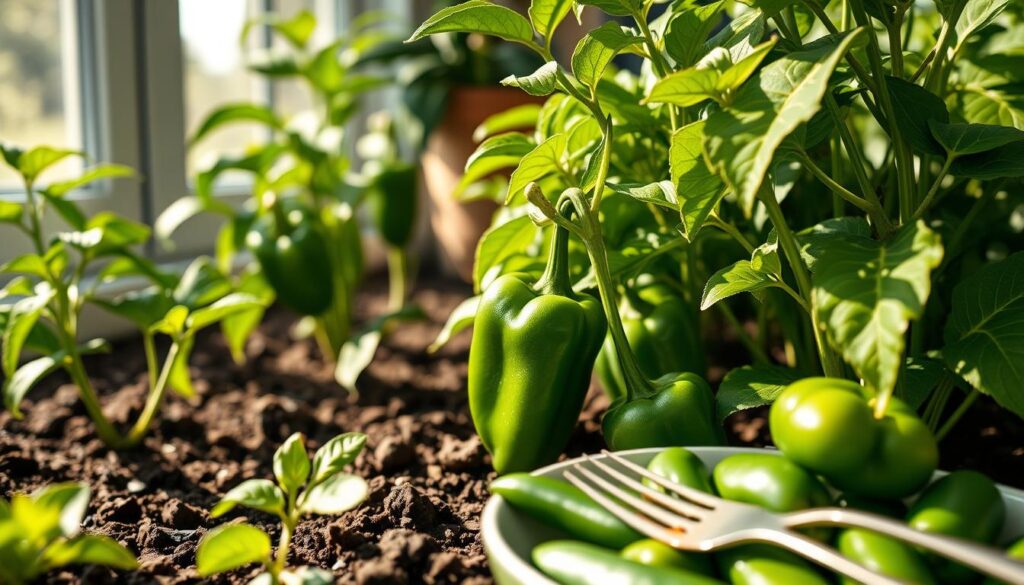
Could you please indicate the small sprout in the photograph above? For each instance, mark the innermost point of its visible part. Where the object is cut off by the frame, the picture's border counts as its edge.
(303, 487)
(42, 532)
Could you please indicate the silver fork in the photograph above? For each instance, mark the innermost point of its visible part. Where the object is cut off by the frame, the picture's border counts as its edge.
(698, 521)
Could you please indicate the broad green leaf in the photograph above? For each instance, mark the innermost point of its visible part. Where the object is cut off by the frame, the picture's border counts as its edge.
(238, 327)
(915, 109)
(540, 162)
(509, 144)
(685, 88)
(500, 242)
(67, 209)
(517, 118)
(105, 233)
(68, 500)
(981, 105)
(689, 29)
(33, 162)
(541, 82)
(258, 494)
(231, 304)
(335, 455)
(597, 49)
(231, 113)
(752, 386)
(20, 323)
(201, 284)
(662, 193)
(291, 463)
(90, 549)
(172, 323)
(961, 139)
(739, 35)
(29, 374)
(977, 14)
(919, 377)
(231, 546)
(741, 139)
(99, 172)
(337, 494)
(698, 189)
(177, 213)
(143, 307)
(479, 16)
(11, 154)
(733, 77)
(30, 264)
(11, 211)
(866, 292)
(546, 15)
(614, 7)
(984, 341)
(297, 29)
(481, 170)
(461, 317)
(762, 271)
(1004, 162)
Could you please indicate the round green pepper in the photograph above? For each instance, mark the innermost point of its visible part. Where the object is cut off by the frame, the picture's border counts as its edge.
(766, 565)
(884, 555)
(680, 466)
(828, 426)
(658, 554)
(564, 506)
(578, 563)
(965, 504)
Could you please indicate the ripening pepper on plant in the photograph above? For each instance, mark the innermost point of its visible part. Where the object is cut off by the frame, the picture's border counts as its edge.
(664, 332)
(292, 252)
(530, 361)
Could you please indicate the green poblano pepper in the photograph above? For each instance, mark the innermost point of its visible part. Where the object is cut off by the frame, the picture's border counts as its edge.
(676, 410)
(530, 360)
(392, 201)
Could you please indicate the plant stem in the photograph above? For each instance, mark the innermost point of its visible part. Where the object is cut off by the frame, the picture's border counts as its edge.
(895, 29)
(76, 369)
(934, 190)
(933, 79)
(829, 361)
(957, 415)
(151, 367)
(658, 60)
(756, 353)
(35, 216)
(398, 277)
(733, 231)
(833, 186)
(605, 163)
(155, 398)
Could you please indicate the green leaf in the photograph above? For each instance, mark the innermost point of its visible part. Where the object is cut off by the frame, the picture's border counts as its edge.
(22, 319)
(231, 546)
(697, 188)
(297, 29)
(30, 264)
(919, 377)
(541, 82)
(961, 139)
(335, 455)
(977, 14)
(201, 284)
(985, 105)
(597, 49)
(509, 144)
(172, 323)
(662, 193)
(479, 16)
(740, 35)
(540, 162)
(291, 463)
(176, 214)
(741, 139)
(105, 233)
(68, 500)
(238, 327)
(517, 118)
(180, 380)
(143, 307)
(67, 209)
(546, 15)
(99, 172)
(1004, 162)
(337, 494)
(90, 549)
(499, 242)
(258, 494)
(733, 77)
(11, 211)
(29, 374)
(224, 307)
(614, 7)
(689, 29)
(983, 341)
(232, 113)
(866, 292)
(752, 386)
(461, 317)
(762, 271)
(915, 109)
(33, 162)
(685, 88)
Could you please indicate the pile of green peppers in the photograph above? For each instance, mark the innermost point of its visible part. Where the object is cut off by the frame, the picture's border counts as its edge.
(597, 548)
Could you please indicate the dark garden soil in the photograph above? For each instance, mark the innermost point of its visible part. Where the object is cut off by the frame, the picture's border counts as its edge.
(426, 469)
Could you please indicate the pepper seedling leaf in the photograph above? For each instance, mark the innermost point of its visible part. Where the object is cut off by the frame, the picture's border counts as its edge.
(339, 493)
(291, 463)
(231, 546)
(90, 549)
(335, 454)
(258, 494)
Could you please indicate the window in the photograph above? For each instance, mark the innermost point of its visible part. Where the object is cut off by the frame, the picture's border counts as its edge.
(40, 93)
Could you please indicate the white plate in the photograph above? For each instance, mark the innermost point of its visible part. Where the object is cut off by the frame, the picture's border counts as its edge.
(509, 535)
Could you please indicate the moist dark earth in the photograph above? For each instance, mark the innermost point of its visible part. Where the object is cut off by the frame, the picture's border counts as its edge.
(428, 473)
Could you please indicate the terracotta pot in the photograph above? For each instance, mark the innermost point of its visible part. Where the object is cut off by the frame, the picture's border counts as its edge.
(458, 226)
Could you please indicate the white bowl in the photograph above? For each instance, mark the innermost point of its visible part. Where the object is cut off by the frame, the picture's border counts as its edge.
(510, 535)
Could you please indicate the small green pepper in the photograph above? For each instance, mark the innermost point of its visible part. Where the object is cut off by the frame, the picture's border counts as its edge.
(885, 555)
(769, 481)
(681, 466)
(392, 201)
(578, 563)
(965, 504)
(530, 363)
(658, 554)
(564, 506)
(828, 426)
(756, 564)
(678, 410)
(663, 331)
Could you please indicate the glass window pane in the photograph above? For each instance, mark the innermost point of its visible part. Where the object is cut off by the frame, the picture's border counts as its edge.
(39, 82)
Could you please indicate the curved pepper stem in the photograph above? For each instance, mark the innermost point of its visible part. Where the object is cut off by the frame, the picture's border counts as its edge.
(556, 280)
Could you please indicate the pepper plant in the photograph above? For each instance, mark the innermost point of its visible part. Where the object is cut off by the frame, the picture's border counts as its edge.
(303, 487)
(43, 531)
(853, 165)
(52, 284)
(302, 222)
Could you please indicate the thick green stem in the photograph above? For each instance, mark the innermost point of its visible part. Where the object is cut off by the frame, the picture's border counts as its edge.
(934, 78)
(155, 398)
(398, 277)
(957, 414)
(556, 279)
(895, 30)
(934, 190)
(106, 431)
(35, 215)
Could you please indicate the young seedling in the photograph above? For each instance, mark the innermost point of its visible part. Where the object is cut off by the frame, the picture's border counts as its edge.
(302, 488)
(42, 532)
(53, 283)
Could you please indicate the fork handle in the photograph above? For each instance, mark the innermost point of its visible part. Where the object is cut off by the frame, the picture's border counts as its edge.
(821, 554)
(986, 559)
